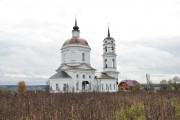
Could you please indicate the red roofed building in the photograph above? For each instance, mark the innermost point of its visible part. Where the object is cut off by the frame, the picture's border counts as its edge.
(127, 84)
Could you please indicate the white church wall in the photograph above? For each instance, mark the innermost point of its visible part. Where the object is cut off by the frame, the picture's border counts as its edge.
(73, 54)
(61, 85)
(105, 85)
(79, 77)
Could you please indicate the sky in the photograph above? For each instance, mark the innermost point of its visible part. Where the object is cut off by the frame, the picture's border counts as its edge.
(146, 32)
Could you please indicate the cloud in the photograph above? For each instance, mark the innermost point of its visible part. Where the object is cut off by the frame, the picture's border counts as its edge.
(32, 33)
(149, 56)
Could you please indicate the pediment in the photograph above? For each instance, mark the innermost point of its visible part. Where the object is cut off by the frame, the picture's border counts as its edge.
(81, 66)
(84, 66)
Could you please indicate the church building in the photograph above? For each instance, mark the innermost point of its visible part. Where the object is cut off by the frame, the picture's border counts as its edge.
(76, 74)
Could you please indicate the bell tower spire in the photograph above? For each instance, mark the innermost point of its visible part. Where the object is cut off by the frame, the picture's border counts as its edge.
(108, 31)
(109, 56)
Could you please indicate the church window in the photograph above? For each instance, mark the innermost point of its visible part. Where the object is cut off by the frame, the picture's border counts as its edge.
(114, 86)
(89, 86)
(57, 87)
(84, 76)
(77, 86)
(64, 87)
(72, 56)
(105, 63)
(102, 86)
(106, 49)
(89, 76)
(113, 63)
(107, 87)
(112, 49)
(83, 57)
(110, 86)
(77, 76)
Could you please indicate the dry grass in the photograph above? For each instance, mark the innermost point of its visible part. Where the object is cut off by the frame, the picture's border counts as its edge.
(91, 106)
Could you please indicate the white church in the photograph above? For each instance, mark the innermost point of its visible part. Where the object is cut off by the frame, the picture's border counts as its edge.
(76, 74)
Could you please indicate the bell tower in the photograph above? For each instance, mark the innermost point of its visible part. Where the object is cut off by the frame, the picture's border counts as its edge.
(109, 56)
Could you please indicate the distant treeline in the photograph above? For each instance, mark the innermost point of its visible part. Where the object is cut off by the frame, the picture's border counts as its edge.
(28, 87)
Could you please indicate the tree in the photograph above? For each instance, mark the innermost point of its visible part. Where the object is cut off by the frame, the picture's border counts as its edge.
(163, 85)
(136, 87)
(175, 83)
(21, 87)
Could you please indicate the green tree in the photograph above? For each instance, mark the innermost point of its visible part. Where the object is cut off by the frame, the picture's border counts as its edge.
(21, 87)
(163, 85)
(136, 87)
(175, 83)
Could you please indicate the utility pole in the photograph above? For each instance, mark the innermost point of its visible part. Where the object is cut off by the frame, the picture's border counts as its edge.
(149, 85)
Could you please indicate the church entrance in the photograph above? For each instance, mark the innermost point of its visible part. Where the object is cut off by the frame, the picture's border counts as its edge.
(85, 85)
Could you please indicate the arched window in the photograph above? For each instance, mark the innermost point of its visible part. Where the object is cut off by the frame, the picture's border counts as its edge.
(83, 57)
(107, 87)
(105, 49)
(102, 87)
(105, 61)
(65, 87)
(89, 86)
(72, 56)
(84, 76)
(64, 57)
(77, 76)
(112, 49)
(57, 87)
(113, 63)
(77, 86)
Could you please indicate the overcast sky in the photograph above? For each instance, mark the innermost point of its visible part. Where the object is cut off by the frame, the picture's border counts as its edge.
(147, 34)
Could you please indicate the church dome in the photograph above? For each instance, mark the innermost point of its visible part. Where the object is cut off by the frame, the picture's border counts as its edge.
(75, 40)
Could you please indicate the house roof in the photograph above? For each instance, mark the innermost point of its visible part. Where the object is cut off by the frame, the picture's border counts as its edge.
(101, 75)
(129, 82)
(60, 74)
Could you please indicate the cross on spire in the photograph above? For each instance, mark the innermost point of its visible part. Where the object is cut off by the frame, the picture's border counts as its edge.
(75, 22)
(108, 31)
(76, 27)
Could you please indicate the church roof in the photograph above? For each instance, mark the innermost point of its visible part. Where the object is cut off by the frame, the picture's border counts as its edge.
(101, 75)
(76, 40)
(60, 74)
(75, 67)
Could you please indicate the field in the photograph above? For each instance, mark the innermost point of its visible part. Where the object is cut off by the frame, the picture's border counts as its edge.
(91, 106)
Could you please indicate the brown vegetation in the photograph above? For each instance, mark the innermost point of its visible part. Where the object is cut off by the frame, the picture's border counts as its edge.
(91, 106)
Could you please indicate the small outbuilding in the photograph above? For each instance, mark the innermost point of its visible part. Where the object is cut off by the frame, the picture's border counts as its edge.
(127, 84)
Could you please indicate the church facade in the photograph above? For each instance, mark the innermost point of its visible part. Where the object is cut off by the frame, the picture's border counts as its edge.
(75, 74)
